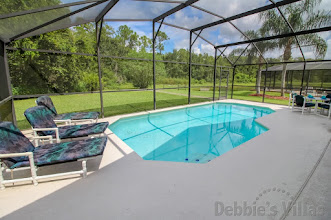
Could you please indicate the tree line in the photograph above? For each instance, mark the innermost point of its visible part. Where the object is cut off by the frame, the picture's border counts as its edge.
(36, 72)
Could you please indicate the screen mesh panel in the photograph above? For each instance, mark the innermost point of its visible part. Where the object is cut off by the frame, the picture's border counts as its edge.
(11, 27)
(6, 111)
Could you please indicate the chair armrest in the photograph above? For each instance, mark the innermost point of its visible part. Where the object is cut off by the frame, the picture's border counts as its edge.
(47, 129)
(32, 165)
(28, 154)
(66, 121)
(36, 138)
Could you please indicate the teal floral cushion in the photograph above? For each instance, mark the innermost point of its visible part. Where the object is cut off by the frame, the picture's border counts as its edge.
(13, 141)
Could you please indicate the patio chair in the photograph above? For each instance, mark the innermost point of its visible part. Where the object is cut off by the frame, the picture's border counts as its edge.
(291, 98)
(301, 103)
(326, 105)
(18, 153)
(41, 120)
(67, 117)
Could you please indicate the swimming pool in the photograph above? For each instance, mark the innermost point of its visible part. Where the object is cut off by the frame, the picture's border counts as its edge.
(194, 134)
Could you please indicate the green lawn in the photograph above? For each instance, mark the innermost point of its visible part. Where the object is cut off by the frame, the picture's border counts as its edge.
(114, 103)
(242, 93)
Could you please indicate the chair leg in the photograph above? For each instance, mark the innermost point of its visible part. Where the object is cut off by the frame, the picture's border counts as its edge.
(36, 141)
(33, 170)
(84, 168)
(2, 186)
(12, 175)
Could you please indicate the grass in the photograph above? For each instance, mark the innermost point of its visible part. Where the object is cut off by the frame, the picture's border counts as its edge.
(115, 103)
(241, 93)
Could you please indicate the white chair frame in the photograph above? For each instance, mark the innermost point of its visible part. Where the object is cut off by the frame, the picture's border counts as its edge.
(37, 138)
(291, 99)
(303, 106)
(34, 176)
(70, 121)
(329, 111)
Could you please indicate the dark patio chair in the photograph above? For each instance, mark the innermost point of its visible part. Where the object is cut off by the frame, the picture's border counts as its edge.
(67, 117)
(41, 120)
(18, 153)
(300, 102)
(326, 105)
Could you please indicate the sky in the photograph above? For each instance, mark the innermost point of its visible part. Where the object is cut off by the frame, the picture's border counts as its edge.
(191, 17)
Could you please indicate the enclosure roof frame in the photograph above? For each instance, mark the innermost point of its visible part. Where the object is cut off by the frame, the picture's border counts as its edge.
(245, 14)
(298, 33)
(32, 11)
(183, 4)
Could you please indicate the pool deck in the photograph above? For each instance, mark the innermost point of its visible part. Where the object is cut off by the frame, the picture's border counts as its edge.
(290, 162)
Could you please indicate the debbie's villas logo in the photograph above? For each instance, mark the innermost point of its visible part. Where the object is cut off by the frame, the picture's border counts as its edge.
(246, 209)
(261, 207)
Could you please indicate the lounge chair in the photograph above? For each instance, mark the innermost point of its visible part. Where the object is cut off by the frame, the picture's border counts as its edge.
(301, 103)
(41, 120)
(18, 153)
(326, 105)
(67, 117)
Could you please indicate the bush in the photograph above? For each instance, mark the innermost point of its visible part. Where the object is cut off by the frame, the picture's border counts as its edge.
(172, 81)
(90, 82)
(140, 77)
(243, 78)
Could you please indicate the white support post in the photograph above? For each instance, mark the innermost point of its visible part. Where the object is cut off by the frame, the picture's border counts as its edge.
(2, 186)
(33, 170)
(84, 168)
(36, 141)
(304, 104)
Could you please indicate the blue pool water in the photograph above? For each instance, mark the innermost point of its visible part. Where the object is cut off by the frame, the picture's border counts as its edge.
(194, 134)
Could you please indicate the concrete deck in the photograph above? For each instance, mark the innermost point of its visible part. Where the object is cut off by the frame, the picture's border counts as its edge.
(290, 162)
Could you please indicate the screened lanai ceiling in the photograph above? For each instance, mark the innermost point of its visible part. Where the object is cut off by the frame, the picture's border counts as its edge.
(220, 24)
(300, 66)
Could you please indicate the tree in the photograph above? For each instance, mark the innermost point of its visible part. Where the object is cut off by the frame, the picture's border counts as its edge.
(257, 52)
(145, 43)
(302, 15)
(161, 37)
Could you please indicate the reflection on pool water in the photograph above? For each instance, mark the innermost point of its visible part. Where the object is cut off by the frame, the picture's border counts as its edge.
(194, 134)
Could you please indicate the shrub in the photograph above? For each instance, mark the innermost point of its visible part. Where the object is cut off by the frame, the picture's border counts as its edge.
(140, 77)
